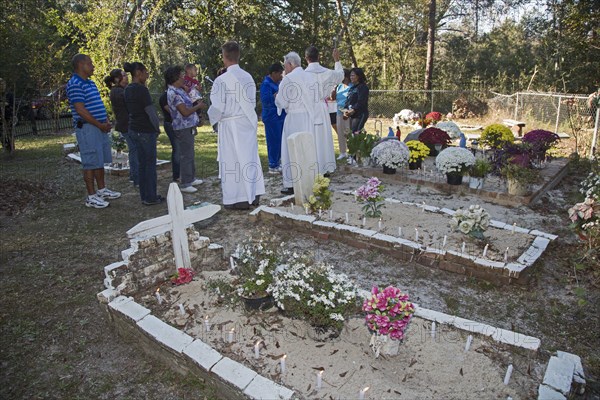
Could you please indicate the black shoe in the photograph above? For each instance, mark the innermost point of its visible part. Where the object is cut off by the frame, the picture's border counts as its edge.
(327, 174)
(159, 199)
(242, 205)
(287, 191)
(256, 201)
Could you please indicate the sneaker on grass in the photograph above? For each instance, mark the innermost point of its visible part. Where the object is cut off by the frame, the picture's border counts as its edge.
(106, 193)
(188, 189)
(96, 202)
(273, 171)
(197, 182)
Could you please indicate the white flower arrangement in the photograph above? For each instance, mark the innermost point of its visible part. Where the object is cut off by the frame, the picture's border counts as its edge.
(472, 222)
(391, 153)
(450, 128)
(454, 160)
(314, 292)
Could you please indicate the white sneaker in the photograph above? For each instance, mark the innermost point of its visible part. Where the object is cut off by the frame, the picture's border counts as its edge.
(188, 189)
(96, 202)
(197, 182)
(273, 171)
(342, 156)
(106, 193)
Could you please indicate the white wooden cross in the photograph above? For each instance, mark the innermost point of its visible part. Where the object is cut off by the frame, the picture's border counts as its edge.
(176, 221)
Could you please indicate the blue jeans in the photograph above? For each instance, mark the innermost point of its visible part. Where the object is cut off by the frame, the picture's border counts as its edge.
(273, 131)
(146, 152)
(134, 165)
(174, 149)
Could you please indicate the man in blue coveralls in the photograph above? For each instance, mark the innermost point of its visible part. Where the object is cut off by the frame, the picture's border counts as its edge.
(273, 122)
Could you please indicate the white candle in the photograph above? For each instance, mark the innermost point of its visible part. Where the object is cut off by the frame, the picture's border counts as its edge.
(306, 210)
(379, 224)
(423, 206)
(181, 309)
(462, 249)
(433, 329)
(508, 374)
(257, 349)
(399, 231)
(485, 249)
(468, 345)
(282, 364)
(231, 263)
(361, 394)
(292, 206)
(319, 212)
(206, 324)
(364, 221)
(158, 298)
(416, 235)
(330, 214)
(506, 255)
(513, 228)
(319, 380)
(444, 241)
(230, 335)
(346, 217)
(423, 169)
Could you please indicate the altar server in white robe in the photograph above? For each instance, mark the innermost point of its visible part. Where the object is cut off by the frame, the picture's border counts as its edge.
(298, 100)
(327, 79)
(233, 102)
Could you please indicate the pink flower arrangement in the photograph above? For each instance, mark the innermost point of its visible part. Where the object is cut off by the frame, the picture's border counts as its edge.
(583, 213)
(183, 275)
(388, 312)
(435, 116)
(371, 195)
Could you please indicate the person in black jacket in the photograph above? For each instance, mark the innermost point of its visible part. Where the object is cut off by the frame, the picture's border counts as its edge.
(357, 103)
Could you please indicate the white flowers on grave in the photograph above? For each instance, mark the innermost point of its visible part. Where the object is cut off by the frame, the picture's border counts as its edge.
(454, 160)
(450, 128)
(472, 221)
(391, 153)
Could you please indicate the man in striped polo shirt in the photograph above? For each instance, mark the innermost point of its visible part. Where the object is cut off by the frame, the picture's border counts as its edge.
(91, 128)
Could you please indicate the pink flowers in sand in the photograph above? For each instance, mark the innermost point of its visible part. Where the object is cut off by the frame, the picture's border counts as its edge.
(371, 195)
(388, 312)
(184, 275)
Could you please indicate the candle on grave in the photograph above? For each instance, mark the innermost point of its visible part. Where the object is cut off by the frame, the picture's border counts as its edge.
(230, 335)
(444, 241)
(292, 206)
(319, 212)
(330, 214)
(364, 221)
(306, 210)
(379, 224)
(433, 329)
(399, 231)
(506, 255)
(206, 324)
(361, 394)
(468, 345)
(181, 309)
(282, 363)
(257, 350)
(485, 249)
(423, 206)
(513, 228)
(319, 379)
(508, 374)
(462, 249)
(158, 297)
(231, 263)
(416, 234)
(346, 217)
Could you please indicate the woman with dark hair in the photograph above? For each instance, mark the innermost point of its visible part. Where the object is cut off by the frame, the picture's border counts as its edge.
(185, 119)
(357, 103)
(340, 94)
(144, 128)
(117, 81)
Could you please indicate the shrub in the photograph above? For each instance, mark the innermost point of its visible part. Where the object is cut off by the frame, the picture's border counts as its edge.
(433, 136)
(496, 136)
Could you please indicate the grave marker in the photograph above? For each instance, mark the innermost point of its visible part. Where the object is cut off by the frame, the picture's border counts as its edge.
(303, 156)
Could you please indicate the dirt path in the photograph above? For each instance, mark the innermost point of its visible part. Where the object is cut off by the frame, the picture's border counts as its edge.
(54, 338)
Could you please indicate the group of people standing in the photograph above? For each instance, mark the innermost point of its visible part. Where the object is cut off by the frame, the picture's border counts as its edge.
(294, 101)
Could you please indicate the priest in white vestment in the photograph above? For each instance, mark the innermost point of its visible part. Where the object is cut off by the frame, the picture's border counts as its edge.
(233, 103)
(299, 102)
(327, 80)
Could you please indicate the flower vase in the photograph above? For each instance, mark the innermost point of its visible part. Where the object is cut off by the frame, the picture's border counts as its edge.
(388, 170)
(454, 179)
(258, 303)
(415, 165)
(476, 183)
(384, 344)
(366, 161)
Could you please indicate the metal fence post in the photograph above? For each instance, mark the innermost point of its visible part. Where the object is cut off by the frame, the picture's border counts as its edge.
(557, 114)
(432, 101)
(516, 105)
(595, 136)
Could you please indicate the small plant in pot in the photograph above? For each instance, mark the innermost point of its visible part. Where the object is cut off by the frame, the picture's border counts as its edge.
(418, 152)
(436, 139)
(391, 154)
(519, 178)
(360, 145)
(540, 141)
(478, 172)
(454, 162)
(496, 136)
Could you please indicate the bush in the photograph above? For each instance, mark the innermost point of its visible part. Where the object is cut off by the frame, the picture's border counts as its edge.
(496, 136)
(433, 136)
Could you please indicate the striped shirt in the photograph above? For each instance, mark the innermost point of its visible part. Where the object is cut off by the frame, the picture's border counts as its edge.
(86, 92)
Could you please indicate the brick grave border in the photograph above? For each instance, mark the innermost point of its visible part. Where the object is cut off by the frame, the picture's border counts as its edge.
(149, 261)
(407, 250)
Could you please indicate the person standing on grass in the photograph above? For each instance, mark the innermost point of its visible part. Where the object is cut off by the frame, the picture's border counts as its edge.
(91, 128)
(185, 120)
(273, 122)
(357, 103)
(117, 81)
(144, 128)
(233, 103)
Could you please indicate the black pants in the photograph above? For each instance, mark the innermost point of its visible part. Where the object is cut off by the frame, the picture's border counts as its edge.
(358, 123)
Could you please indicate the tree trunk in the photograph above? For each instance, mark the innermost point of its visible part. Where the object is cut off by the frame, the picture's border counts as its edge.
(430, 46)
(344, 31)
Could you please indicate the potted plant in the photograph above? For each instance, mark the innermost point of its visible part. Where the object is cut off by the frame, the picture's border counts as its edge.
(370, 194)
(471, 222)
(540, 141)
(478, 172)
(519, 178)
(118, 142)
(388, 313)
(360, 145)
(391, 154)
(496, 136)
(418, 152)
(436, 139)
(454, 162)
